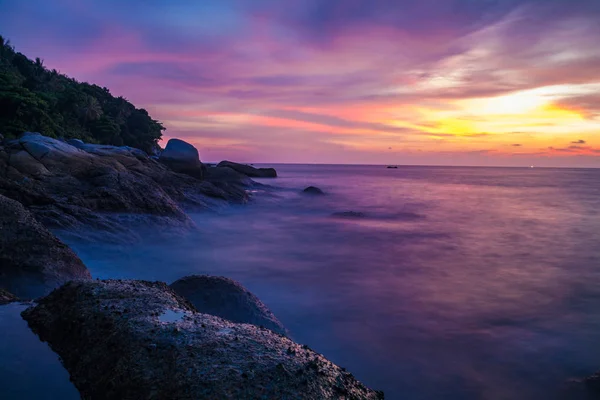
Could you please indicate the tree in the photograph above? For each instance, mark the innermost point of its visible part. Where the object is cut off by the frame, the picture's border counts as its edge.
(89, 110)
(32, 98)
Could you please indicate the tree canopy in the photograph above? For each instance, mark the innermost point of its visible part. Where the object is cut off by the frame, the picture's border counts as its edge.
(33, 98)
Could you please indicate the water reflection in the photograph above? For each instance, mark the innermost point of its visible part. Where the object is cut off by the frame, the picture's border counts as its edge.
(28, 368)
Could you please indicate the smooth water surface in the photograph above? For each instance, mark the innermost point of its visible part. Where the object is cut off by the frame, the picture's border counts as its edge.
(454, 283)
(28, 368)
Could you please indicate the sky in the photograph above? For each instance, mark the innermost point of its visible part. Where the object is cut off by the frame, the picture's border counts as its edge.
(434, 82)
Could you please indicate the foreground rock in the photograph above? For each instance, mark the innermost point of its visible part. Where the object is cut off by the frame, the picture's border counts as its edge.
(313, 190)
(140, 340)
(6, 297)
(227, 299)
(80, 186)
(249, 170)
(32, 260)
(182, 157)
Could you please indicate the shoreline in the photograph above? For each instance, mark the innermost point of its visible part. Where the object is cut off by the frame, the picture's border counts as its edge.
(81, 189)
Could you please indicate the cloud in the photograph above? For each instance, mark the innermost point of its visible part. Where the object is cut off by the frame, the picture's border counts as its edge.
(579, 142)
(372, 74)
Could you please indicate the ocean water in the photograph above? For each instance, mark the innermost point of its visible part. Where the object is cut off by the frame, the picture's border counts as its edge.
(451, 283)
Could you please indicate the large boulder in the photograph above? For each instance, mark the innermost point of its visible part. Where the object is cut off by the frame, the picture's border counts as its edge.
(228, 299)
(249, 170)
(182, 157)
(32, 260)
(140, 340)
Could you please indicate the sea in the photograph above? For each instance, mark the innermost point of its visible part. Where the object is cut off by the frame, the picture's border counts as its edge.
(424, 282)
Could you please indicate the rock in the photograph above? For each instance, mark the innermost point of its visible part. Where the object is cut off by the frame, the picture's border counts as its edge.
(64, 185)
(79, 187)
(140, 340)
(42, 146)
(32, 260)
(228, 299)
(76, 143)
(24, 162)
(313, 190)
(6, 297)
(249, 170)
(112, 151)
(224, 174)
(349, 214)
(182, 157)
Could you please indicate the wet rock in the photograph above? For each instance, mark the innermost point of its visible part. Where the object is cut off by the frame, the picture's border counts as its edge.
(80, 186)
(6, 297)
(32, 260)
(349, 214)
(135, 339)
(313, 190)
(182, 157)
(249, 170)
(228, 299)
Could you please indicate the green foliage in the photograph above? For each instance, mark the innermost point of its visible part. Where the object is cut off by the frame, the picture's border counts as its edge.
(33, 98)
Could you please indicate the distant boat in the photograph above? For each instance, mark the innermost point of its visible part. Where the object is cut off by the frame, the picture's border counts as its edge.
(392, 166)
(531, 166)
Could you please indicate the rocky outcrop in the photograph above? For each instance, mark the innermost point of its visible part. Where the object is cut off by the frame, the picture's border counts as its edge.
(134, 339)
(107, 150)
(249, 170)
(228, 299)
(182, 157)
(6, 297)
(76, 185)
(32, 260)
(313, 190)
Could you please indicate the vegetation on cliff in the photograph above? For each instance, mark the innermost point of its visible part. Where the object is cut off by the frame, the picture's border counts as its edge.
(34, 98)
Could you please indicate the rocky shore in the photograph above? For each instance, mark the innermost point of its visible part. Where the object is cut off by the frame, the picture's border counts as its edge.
(136, 339)
(77, 187)
(202, 337)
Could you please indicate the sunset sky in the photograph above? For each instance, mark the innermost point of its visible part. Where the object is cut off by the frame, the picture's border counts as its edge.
(458, 82)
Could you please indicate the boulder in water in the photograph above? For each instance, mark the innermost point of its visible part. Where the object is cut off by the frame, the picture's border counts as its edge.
(249, 170)
(182, 157)
(313, 190)
(228, 299)
(140, 340)
(32, 260)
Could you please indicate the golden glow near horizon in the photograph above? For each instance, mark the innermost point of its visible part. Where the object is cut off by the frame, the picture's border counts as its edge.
(481, 100)
(485, 98)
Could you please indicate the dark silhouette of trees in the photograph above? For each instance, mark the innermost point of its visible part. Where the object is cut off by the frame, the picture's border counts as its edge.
(33, 98)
